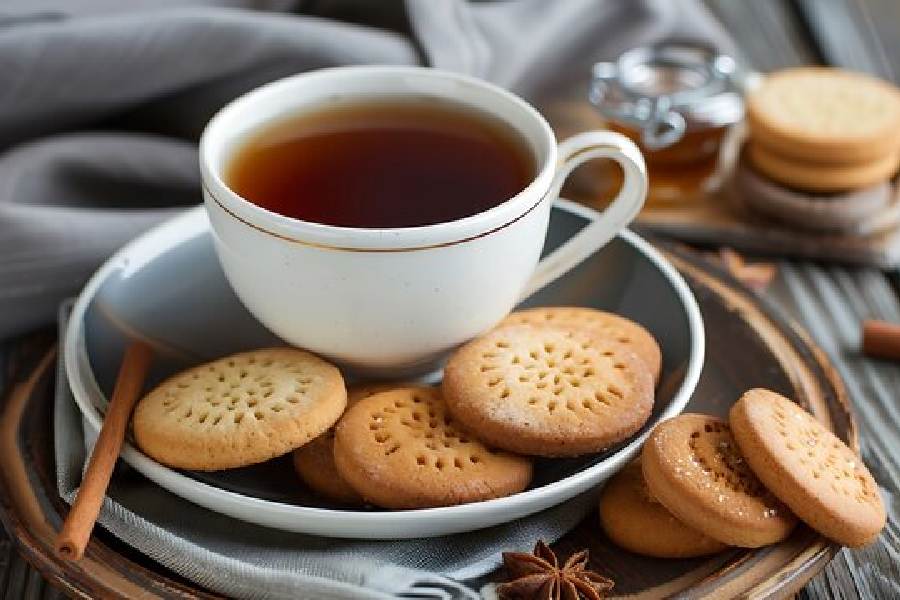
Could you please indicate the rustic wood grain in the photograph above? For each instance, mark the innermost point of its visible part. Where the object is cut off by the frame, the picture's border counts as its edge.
(831, 301)
(769, 33)
(863, 35)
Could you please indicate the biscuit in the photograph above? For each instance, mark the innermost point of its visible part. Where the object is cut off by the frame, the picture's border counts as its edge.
(239, 410)
(615, 327)
(547, 390)
(821, 178)
(859, 211)
(402, 449)
(628, 513)
(826, 115)
(693, 467)
(314, 462)
(823, 481)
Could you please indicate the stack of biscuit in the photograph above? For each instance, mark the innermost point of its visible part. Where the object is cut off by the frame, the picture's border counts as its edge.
(703, 484)
(550, 382)
(822, 147)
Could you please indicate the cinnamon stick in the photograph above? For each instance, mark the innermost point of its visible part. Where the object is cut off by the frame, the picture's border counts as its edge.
(881, 339)
(76, 531)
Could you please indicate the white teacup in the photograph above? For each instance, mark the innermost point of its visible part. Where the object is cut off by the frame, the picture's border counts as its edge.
(393, 301)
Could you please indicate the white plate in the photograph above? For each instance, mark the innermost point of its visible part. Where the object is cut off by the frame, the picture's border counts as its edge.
(168, 287)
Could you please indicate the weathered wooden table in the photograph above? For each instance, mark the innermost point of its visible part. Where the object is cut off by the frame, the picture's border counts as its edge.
(829, 301)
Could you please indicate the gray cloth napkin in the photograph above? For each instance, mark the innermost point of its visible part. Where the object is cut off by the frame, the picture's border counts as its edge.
(101, 104)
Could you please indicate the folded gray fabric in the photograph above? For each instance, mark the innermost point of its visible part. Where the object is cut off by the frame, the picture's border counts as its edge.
(99, 116)
(102, 102)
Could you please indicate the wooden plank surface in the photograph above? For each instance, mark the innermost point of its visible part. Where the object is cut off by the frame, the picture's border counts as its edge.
(769, 33)
(863, 35)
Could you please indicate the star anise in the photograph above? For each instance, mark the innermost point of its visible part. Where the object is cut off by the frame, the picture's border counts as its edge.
(538, 576)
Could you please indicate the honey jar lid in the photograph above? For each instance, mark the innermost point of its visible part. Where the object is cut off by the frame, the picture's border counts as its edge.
(666, 89)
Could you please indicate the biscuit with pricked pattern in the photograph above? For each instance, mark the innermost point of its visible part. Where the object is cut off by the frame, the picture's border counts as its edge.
(314, 462)
(693, 466)
(825, 115)
(402, 449)
(615, 327)
(628, 511)
(810, 469)
(548, 390)
(239, 410)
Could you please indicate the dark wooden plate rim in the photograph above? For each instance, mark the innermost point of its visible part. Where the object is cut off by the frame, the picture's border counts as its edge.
(32, 512)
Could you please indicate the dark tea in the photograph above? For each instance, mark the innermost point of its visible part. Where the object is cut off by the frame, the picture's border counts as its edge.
(383, 164)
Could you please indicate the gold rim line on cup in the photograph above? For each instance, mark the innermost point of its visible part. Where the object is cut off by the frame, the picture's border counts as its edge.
(347, 249)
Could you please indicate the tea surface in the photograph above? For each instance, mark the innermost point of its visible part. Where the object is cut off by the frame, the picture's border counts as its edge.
(382, 164)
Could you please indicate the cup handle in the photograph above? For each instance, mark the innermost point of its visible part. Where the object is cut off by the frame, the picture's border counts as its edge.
(574, 152)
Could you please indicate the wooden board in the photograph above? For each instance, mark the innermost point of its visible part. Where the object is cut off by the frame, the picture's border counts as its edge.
(748, 343)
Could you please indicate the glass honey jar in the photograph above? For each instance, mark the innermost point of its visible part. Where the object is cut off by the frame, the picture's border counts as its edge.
(677, 101)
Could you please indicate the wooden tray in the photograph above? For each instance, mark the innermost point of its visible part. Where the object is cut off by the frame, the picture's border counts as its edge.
(748, 345)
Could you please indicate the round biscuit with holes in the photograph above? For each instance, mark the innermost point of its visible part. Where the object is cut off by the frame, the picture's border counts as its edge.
(628, 511)
(811, 470)
(239, 410)
(314, 462)
(615, 327)
(548, 390)
(402, 449)
(826, 116)
(692, 465)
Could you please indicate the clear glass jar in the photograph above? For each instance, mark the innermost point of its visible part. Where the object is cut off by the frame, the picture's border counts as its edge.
(676, 101)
